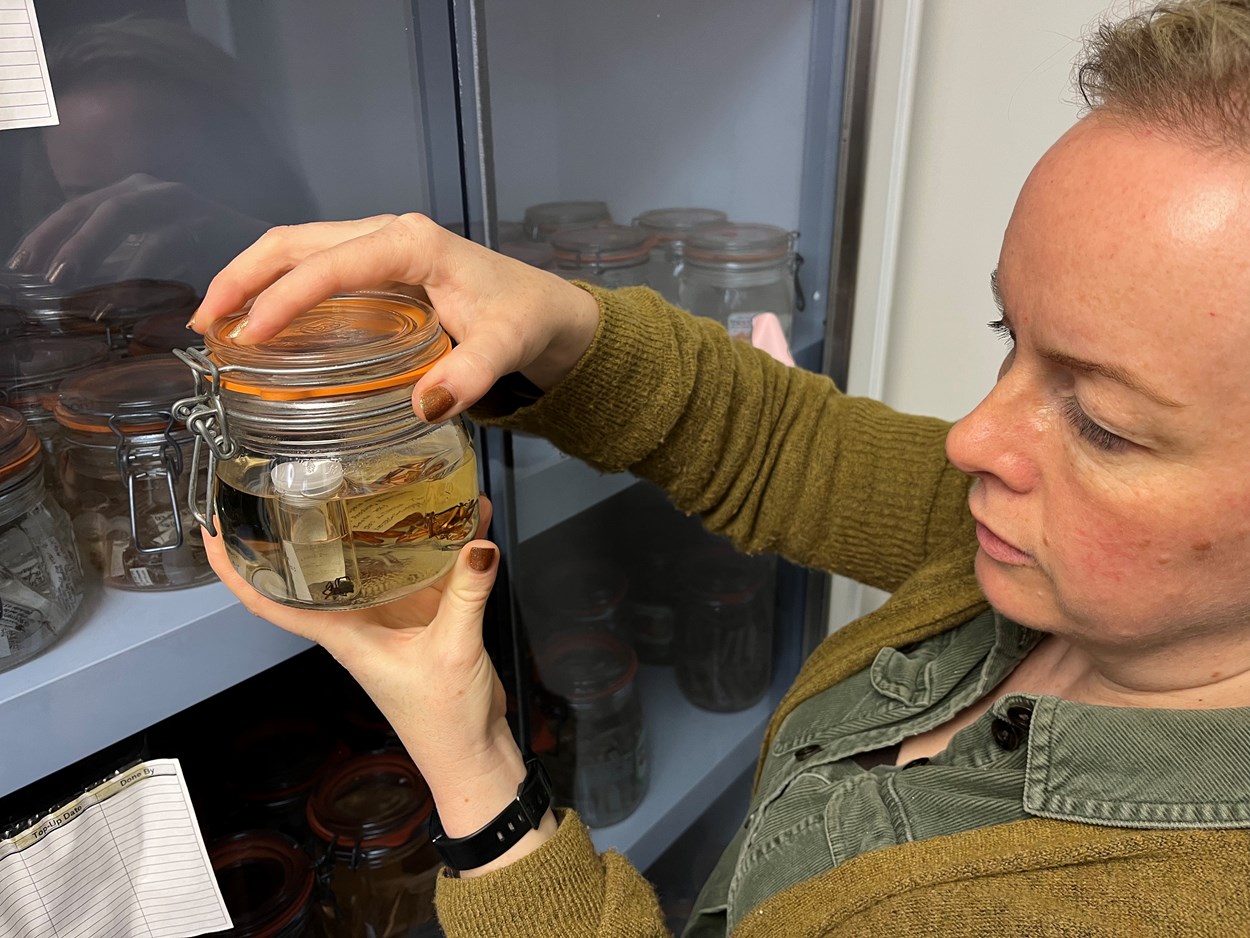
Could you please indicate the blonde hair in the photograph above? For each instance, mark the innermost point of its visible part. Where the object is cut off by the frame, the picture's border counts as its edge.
(1182, 66)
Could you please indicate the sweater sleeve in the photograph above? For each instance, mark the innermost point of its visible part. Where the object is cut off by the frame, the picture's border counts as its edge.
(564, 888)
(774, 457)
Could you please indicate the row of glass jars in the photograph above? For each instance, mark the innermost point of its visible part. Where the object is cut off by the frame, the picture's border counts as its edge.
(694, 257)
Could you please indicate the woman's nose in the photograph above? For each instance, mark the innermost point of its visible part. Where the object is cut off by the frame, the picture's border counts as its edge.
(998, 439)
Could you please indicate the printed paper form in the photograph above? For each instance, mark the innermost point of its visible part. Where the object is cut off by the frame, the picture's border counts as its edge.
(123, 861)
(25, 91)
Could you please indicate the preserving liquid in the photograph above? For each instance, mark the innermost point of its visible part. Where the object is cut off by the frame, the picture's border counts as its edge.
(378, 532)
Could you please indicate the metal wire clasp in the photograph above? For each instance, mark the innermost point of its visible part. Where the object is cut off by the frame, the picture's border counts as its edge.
(128, 455)
(205, 416)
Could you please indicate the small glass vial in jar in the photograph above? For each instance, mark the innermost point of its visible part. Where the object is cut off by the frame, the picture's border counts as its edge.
(739, 270)
(41, 582)
(668, 228)
(725, 629)
(614, 255)
(599, 763)
(370, 819)
(545, 219)
(267, 883)
(123, 469)
(329, 491)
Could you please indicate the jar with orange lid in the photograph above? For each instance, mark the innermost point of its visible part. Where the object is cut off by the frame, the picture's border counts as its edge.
(732, 272)
(614, 255)
(124, 473)
(369, 817)
(329, 491)
(41, 582)
(267, 884)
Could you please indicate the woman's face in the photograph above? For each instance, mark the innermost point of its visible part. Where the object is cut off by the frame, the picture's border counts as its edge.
(1111, 460)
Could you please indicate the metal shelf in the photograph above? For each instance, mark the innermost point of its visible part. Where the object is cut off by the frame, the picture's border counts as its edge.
(694, 756)
(131, 660)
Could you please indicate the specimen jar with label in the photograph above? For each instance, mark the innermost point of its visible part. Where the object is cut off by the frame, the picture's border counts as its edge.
(329, 491)
(125, 477)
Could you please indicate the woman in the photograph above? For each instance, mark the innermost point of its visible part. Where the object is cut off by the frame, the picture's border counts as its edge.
(1042, 731)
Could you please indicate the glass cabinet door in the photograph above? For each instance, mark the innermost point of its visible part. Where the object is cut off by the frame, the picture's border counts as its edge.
(690, 147)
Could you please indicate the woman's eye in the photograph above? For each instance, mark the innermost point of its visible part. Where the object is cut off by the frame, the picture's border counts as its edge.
(1097, 436)
(1000, 328)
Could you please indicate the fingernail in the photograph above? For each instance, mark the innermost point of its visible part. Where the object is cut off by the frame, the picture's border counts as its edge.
(435, 402)
(191, 323)
(238, 329)
(480, 558)
(58, 272)
(18, 260)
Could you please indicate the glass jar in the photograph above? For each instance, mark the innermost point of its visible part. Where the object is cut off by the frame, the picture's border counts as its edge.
(577, 595)
(370, 818)
(535, 253)
(668, 228)
(545, 219)
(266, 881)
(118, 306)
(31, 370)
(737, 271)
(123, 474)
(329, 491)
(12, 323)
(41, 582)
(618, 255)
(161, 332)
(725, 629)
(599, 763)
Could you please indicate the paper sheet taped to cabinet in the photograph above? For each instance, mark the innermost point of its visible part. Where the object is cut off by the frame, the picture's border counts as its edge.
(25, 90)
(125, 860)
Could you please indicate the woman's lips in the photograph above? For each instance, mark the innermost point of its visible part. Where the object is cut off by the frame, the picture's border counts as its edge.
(1000, 550)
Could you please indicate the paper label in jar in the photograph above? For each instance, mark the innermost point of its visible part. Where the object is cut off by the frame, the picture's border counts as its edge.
(314, 564)
(17, 620)
(741, 325)
(379, 513)
(22, 558)
(115, 569)
(166, 529)
(141, 576)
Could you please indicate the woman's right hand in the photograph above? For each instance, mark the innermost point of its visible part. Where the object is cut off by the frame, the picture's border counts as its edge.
(504, 315)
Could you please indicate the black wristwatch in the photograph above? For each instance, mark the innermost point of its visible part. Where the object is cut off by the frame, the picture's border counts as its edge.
(524, 814)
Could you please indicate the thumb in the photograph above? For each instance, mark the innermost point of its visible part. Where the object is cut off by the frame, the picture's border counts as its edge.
(466, 590)
(464, 375)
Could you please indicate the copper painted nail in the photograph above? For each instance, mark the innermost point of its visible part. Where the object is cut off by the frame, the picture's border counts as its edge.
(58, 272)
(191, 323)
(435, 402)
(18, 260)
(480, 558)
(238, 328)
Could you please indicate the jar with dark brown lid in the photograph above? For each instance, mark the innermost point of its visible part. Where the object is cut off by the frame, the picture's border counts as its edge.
(124, 473)
(118, 307)
(329, 491)
(370, 818)
(161, 332)
(267, 884)
(599, 764)
(41, 583)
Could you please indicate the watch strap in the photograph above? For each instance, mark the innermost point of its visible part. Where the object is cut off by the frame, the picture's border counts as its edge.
(522, 815)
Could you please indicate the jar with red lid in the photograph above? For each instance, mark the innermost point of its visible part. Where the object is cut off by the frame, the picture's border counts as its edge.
(613, 255)
(668, 228)
(32, 369)
(369, 817)
(41, 582)
(124, 473)
(329, 491)
(730, 270)
(267, 883)
(117, 307)
(545, 219)
(725, 629)
(599, 763)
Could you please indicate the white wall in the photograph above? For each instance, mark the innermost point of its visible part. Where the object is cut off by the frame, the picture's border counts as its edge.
(992, 92)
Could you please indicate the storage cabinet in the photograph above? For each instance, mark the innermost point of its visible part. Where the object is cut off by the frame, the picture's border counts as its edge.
(469, 112)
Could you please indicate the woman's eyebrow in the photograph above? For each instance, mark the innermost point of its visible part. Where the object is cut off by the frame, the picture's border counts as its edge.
(1112, 372)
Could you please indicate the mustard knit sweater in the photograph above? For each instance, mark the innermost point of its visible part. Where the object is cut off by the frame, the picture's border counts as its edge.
(778, 459)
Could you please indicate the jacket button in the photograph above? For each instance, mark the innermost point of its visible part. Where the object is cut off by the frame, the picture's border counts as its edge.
(806, 752)
(922, 760)
(1007, 735)
(1021, 715)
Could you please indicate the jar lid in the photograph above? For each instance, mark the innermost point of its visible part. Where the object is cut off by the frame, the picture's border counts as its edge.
(583, 667)
(162, 332)
(535, 253)
(128, 390)
(129, 300)
(378, 800)
(601, 246)
(671, 224)
(19, 445)
(21, 287)
(724, 577)
(348, 344)
(547, 217)
(728, 242)
(35, 360)
(585, 588)
(265, 880)
(281, 758)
